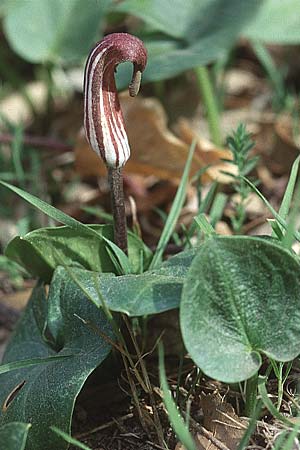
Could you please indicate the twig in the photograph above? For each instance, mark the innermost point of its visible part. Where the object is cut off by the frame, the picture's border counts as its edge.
(135, 436)
(104, 426)
(207, 434)
(38, 142)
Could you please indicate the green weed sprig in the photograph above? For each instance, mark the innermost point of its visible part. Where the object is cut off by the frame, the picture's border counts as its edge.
(240, 144)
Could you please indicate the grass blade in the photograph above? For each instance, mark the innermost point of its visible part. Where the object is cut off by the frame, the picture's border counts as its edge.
(204, 225)
(175, 418)
(269, 404)
(69, 439)
(61, 217)
(288, 238)
(51, 211)
(174, 213)
(16, 155)
(217, 208)
(272, 71)
(275, 214)
(290, 442)
(203, 208)
(23, 363)
(288, 195)
(251, 427)
(279, 442)
(122, 259)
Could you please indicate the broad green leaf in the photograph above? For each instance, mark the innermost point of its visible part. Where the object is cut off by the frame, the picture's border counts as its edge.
(177, 18)
(56, 30)
(152, 292)
(277, 21)
(4, 6)
(47, 392)
(42, 250)
(201, 31)
(13, 436)
(241, 299)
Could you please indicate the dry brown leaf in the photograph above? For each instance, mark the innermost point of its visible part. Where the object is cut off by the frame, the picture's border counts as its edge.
(179, 446)
(286, 147)
(223, 228)
(207, 153)
(221, 419)
(155, 150)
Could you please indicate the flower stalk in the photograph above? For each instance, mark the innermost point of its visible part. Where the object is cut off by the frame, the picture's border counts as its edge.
(103, 118)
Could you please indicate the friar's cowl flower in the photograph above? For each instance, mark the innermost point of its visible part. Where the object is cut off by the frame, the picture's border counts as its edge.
(103, 119)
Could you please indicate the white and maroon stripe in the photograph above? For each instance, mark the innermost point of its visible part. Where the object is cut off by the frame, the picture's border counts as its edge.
(103, 119)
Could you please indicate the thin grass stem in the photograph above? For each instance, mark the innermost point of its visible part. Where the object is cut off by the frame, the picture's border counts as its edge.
(210, 103)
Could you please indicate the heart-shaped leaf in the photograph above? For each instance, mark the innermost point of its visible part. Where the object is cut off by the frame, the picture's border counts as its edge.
(44, 395)
(42, 250)
(152, 292)
(241, 299)
(63, 30)
(13, 436)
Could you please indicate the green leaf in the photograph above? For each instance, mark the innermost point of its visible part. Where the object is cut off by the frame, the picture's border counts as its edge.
(42, 250)
(152, 292)
(201, 31)
(241, 299)
(46, 393)
(13, 435)
(63, 30)
(284, 28)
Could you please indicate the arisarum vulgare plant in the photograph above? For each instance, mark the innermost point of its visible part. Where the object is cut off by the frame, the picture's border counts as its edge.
(103, 119)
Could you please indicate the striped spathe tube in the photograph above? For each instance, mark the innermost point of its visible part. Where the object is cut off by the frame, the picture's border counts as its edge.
(103, 119)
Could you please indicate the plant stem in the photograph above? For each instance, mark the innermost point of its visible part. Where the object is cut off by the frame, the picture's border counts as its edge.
(276, 78)
(210, 103)
(118, 207)
(251, 395)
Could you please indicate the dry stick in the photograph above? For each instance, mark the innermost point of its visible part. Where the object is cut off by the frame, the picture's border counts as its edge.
(37, 142)
(104, 426)
(134, 436)
(208, 434)
(135, 397)
(147, 381)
